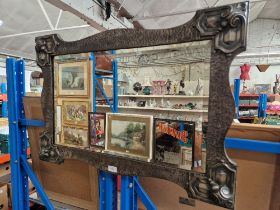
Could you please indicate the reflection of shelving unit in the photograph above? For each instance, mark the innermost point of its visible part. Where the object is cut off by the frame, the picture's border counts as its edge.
(157, 108)
(163, 96)
(258, 104)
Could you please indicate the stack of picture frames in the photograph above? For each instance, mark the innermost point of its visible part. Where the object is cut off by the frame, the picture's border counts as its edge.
(142, 137)
(72, 101)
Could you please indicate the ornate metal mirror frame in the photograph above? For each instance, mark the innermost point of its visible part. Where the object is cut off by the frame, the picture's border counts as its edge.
(226, 27)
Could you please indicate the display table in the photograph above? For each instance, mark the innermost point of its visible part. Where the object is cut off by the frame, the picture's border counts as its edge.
(257, 177)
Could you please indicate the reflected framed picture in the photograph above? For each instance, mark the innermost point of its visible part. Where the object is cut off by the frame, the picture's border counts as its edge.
(129, 135)
(73, 79)
(74, 136)
(174, 142)
(96, 129)
(75, 112)
(262, 88)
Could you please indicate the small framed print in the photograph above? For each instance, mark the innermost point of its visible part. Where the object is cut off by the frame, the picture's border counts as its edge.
(75, 112)
(57, 122)
(73, 79)
(129, 135)
(174, 142)
(187, 158)
(262, 88)
(74, 136)
(96, 129)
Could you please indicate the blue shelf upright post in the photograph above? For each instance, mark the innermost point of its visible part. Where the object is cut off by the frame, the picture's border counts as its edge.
(17, 135)
(236, 96)
(262, 107)
(4, 102)
(20, 169)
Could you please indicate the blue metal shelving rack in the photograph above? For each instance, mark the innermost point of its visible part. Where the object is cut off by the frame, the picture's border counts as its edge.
(262, 101)
(20, 169)
(130, 186)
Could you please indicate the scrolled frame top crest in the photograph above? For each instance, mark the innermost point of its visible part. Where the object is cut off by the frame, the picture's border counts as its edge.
(226, 27)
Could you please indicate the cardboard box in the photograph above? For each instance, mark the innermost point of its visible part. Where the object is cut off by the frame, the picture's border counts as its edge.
(3, 197)
(274, 98)
(5, 169)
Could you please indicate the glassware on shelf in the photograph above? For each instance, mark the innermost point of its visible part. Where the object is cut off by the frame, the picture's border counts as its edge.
(147, 86)
(158, 87)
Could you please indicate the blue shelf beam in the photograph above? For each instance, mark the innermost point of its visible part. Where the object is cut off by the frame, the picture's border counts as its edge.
(253, 145)
(143, 196)
(236, 95)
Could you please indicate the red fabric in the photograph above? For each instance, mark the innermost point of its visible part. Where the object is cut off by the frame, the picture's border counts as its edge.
(245, 69)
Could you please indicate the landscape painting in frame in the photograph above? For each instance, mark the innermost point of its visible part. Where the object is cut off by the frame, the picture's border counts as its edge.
(174, 142)
(75, 137)
(97, 129)
(73, 79)
(129, 135)
(75, 112)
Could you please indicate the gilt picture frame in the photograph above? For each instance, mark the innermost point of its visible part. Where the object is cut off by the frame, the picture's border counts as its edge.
(73, 78)
(129, 135)
(74, 137)
(75, 112)
(226, 28)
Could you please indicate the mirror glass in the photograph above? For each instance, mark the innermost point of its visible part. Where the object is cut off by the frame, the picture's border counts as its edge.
(163, 94)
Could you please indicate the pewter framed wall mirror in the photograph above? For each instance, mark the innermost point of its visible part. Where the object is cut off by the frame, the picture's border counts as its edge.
(196, 54)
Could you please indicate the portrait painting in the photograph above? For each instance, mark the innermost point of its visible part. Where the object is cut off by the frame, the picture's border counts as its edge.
(97, 129)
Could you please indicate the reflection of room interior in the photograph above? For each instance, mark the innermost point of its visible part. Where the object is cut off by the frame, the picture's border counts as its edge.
(257, 93)
(168, 82)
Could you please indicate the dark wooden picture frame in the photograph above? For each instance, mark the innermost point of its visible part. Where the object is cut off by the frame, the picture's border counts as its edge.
(189, 124)
(226, 27)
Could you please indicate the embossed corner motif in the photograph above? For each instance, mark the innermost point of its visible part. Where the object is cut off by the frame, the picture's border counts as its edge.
(48, 151)
(228, 25)
(218, 187)
(45, 45)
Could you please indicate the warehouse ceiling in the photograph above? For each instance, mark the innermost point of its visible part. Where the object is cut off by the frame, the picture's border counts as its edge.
(23, 20)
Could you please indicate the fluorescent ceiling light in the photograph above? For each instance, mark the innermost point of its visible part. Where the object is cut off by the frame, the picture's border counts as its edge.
(1, 22)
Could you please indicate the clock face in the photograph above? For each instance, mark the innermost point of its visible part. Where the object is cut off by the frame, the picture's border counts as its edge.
(143, 59)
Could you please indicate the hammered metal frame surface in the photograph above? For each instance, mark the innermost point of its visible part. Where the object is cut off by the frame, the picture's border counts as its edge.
(226, 26)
